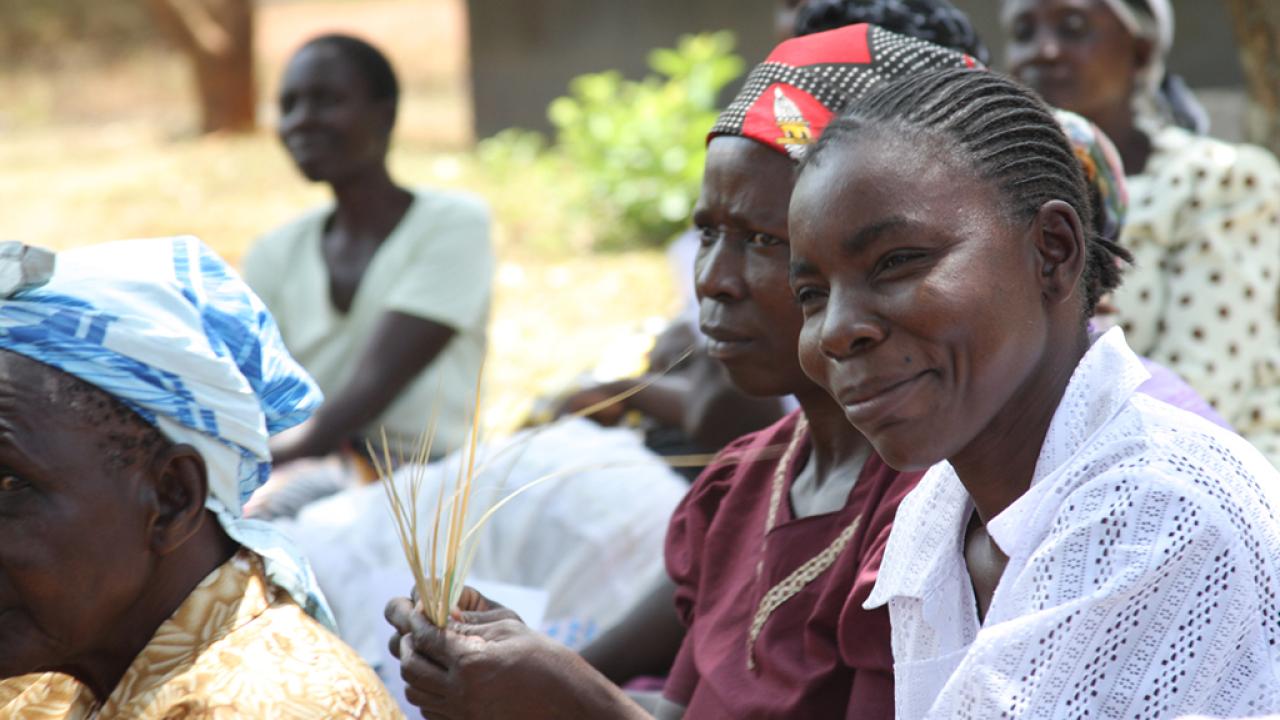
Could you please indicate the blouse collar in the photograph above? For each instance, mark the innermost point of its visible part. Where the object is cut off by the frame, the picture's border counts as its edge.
(936, 511)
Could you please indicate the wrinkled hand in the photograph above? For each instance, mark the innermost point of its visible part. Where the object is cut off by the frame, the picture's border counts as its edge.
(486, 664)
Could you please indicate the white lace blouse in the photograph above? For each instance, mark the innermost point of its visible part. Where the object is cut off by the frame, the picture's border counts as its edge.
(1144, 567)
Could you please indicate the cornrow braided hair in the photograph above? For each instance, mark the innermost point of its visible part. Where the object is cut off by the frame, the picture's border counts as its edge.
(1007, 134)
(935, 21)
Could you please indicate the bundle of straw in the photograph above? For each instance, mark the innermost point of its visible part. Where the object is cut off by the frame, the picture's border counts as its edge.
(440, 579)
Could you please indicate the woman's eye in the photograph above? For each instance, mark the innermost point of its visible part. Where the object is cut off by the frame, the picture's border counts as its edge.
(763, 240)
(707, 235)
(1023, 30)
(897, 260)
(12, 483)
(807, 296)
(1074, 25)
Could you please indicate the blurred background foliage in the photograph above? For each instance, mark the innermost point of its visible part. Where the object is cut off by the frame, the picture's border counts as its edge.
(626, 161)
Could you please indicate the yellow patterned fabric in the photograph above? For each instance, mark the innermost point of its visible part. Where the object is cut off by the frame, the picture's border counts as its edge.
(237, 648)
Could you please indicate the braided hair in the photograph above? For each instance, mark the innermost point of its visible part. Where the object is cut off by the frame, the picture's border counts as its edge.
(1006, 134)
(935, 21)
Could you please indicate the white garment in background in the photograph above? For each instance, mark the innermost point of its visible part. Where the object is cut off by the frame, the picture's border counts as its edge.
(1202, 297)
(437, 264)
(1143, 574)
(593, 540)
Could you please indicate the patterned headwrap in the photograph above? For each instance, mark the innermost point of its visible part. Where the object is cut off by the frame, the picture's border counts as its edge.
(169, 329)
(790, 98)
(1103, 170)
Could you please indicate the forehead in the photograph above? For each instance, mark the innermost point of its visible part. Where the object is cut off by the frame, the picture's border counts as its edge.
(322, 65)
(35, 395)
(880, 173)
(743, 177)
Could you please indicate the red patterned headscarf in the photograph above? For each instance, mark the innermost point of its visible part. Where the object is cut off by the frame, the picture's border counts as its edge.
(790, 98)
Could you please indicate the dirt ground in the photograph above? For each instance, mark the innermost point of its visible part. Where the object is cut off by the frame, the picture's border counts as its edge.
(100, 153)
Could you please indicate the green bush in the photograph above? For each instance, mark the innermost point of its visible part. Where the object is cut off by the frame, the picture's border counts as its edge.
(628, 155)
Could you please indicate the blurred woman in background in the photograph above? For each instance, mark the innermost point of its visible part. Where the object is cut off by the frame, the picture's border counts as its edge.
(383, 295)
(1204, 223)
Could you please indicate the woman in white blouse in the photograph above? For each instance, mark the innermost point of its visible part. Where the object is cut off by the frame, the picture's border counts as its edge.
(1077, 549)
(1204, 220)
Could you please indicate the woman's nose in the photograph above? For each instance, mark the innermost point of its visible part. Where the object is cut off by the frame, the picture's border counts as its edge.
(718, 271)
(848, 327)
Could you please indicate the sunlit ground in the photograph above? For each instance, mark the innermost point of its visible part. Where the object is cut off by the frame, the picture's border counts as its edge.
(107, 153)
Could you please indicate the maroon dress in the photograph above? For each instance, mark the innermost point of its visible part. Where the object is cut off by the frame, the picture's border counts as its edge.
(775, 622)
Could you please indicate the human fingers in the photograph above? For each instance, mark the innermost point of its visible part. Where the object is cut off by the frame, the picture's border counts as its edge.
(397, 612)
(487, 617)
(424, 676)
(393, 644)
(432, 707)
(428, 640)
(472, 601)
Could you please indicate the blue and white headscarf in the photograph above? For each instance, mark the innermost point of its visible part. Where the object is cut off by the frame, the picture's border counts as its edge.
(168, 328)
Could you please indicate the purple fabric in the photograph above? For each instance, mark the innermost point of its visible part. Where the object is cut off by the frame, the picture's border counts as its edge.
(1166, 385)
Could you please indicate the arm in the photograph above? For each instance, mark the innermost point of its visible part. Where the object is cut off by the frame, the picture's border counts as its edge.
(490, 665)
(700, 400)
(400, 348)
(645, 642)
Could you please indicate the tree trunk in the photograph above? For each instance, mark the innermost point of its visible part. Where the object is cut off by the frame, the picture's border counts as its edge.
(217, 36)
(1257, 26)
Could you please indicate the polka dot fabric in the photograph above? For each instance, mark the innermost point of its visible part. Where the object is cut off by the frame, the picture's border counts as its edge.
(1203, 296)
(833, 68)
(1144, 567)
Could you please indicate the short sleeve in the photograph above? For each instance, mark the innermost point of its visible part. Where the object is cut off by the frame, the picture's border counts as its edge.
(1143, 601)
(690, 523)
(447, 277)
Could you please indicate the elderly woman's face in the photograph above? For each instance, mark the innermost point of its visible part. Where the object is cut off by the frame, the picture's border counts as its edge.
(73, 545)
(328, 121)
(745, 304)
(1075, 53)
(922, 313)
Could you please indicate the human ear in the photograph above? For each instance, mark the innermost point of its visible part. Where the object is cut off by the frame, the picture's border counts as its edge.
(180, 484)
(1144, 51)
(1061, 250)
(386, 118)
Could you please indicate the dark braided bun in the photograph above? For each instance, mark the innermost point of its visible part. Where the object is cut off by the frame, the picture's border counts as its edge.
(935, 21)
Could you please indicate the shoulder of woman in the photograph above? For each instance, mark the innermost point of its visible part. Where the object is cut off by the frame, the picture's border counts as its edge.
(451, 206)
(1210, 166)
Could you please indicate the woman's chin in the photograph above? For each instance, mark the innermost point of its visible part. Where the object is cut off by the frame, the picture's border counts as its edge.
(905, 451)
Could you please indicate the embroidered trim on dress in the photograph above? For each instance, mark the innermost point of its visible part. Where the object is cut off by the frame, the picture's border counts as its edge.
(806, 573)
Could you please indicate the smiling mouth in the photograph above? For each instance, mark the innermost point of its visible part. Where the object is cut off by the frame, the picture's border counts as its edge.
(872, 400)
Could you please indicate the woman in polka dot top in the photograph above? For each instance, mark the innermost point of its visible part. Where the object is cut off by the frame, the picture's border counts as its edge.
(1203, 296)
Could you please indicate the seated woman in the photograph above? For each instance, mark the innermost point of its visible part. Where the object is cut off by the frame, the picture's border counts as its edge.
(137, 388)
(777, 543)
(384, 295)
(1078, 548)
(1203, 295)
(694, 407)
